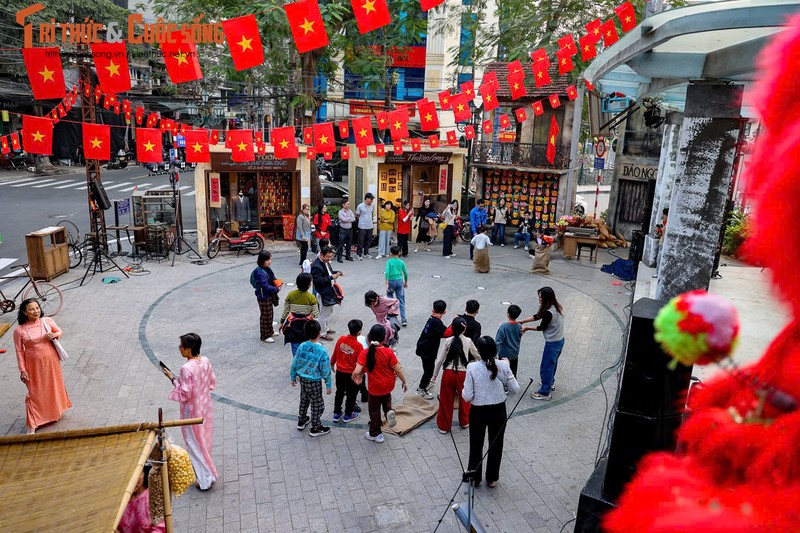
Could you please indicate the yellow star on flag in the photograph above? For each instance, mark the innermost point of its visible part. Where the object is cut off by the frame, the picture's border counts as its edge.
(461, 107)
(445, 100)
(307, 26)
(627, 19)
(608, 33)
(323, 139)
(586, 48)
(197, 147)
(553, 140)
(148, 146)
(397, 125)
(596, 31)
(563, 60)
(47, 74)
(113, 69)
(469, 92)
(284, 143)
(539, 74)
(245, 43)
(369, 5)
(516, 86)
(38, 136)
(428, 117)
(363, 132)
(488, 98)
(96, 143)
(181, 57)
(241, 146)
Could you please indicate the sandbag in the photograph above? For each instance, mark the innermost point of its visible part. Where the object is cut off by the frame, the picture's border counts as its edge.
(541, 262)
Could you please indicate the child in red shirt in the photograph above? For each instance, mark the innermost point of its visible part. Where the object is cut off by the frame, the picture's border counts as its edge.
(380, 362)
(404, 227)
(344, 360)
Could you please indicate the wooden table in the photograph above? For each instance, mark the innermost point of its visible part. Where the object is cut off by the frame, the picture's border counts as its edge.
(571, 243)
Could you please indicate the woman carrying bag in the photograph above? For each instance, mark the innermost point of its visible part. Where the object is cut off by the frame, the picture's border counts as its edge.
(423, 225)
(302, 232)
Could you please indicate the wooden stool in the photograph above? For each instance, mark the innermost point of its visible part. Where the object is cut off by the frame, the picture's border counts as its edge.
(592, 250)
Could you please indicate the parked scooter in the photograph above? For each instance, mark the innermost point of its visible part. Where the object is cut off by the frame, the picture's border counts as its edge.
(119, 161)
(249, 241)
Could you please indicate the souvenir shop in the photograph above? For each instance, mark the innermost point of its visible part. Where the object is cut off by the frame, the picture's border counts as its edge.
(433, 173)
(265, 194)
(537, 192)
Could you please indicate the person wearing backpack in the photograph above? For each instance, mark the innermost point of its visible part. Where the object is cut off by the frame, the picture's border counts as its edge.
(299, 308)
(263, 280)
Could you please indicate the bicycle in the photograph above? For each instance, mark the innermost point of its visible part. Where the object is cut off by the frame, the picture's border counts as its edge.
(49, 295)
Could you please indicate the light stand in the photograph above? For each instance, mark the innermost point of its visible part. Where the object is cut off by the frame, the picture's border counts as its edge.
(174, 178)
(465, 511)
(98, 248)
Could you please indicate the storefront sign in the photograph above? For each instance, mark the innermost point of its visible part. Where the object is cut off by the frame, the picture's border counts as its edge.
(213, 190)
(443, 181)
(420, 158)
(632, 171)
(263, 163)
(360, 107)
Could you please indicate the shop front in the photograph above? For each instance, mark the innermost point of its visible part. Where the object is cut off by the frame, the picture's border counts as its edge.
(537, 192)
(434, 174)
(265, 194)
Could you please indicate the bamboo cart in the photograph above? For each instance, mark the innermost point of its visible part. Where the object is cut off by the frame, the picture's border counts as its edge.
(78, 480)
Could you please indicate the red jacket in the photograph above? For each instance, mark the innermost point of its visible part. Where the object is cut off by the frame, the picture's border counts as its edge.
(321, 225)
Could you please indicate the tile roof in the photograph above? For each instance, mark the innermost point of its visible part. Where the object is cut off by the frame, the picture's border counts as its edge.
(558, 84)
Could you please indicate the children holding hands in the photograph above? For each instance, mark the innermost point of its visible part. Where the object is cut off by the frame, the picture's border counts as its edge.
(311, 366)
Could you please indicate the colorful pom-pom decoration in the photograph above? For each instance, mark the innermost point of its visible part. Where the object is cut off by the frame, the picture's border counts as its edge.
(697, 328)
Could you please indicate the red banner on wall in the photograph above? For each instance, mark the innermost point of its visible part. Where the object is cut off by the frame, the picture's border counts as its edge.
(213, 190)
(360, 107)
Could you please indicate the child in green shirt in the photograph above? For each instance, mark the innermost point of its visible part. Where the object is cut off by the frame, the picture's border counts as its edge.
(397, 280)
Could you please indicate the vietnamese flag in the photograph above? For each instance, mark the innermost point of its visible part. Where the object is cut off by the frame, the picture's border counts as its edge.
(45, 72)
(344, 130)
(505, 122)
(345, 153)
(565, 63)
(370, 14)
(609, 31)
(382, 118)
(15, 142)
(627, 16)
(111, 64)
(98, 93)
(452, 140)
(572, 92)
(428, 119)
(259, 136)
(261, 147)
(589, 84)
(489, 79)
(514, 67)
(148, 145)
(540, 55)
(469, 132)
(311, 154)
(324, 140)
(489, 95)
(282, 140)
(214, 136)
(541, 74)
(551, 140)
(244, 42)
(588, 47)
(308, 136)
(97, 141)
(241, 144)
(362, 131)
(538, 109)
(430, 4)
(516, 84)
(433, 141)
(468, 88)
(197, 146)
(520, 114)
(380, 150)
(139, 115)
(4, 148)
(567, 43)
(444, 99)
(416, 145)
(593, 29)
(460, 107)
(362, 152)
(398, 147)
(180, 58)
(487, 127)
(37, 135)
(398, 123)
(327, 156)
(305, 21)
(554, 100)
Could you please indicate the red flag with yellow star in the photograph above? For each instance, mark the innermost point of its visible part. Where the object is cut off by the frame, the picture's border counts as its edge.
(444, 99)
(308, 136)
(505, 122)
(567, 43)
(37, 135)
(460, 105)
(540, 55)
(311, 154)
(593, 29)
(370, 14)
(382, 118)
(362, 131)
(430, 4)
(538, 109)
(45, 73)
(282, 140)
(15, 142)
(398, 123)
(433, 141)
(572, 92)
(627, 16)
(428, 119)
(551, 140)
(398, 147)
(469, 132)
(452, 140)
(516, 84)
(344, 129)
(4, 147)
(324, 140)
(97, 141)
(305, 21)
(514, 67)
(468, 89)
(148, 145)
(244, 42)
(197, 146)
(520, 114)
(609, 31)
(588, 47)
(489, 96)
(487, 127)
(555, 101)
(345, 153)
(180, 58)
(214, 136)
(242, 147)
(111, 64)
(363, 152)
(540, 73)
(565, 63)
(416, 145)
(380, 150)
(489, 79)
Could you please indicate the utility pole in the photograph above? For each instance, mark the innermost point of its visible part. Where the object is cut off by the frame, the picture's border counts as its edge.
(97, 217)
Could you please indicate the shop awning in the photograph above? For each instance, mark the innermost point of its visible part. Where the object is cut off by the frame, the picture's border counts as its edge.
(77, 480)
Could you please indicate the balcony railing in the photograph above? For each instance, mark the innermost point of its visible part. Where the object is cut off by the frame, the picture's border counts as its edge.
(518, 155)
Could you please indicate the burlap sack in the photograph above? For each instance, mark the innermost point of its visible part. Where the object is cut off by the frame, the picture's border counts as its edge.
(541, 263)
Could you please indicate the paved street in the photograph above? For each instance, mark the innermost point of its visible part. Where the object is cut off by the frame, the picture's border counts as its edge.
(275, 478)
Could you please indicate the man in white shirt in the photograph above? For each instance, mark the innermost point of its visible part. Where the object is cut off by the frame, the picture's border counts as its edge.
(364, 213)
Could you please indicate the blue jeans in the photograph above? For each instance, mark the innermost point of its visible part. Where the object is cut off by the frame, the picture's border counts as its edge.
(519, 236)
(295, 346)
(499, 234)
(396, 290)
(547, 370)
(384, 241)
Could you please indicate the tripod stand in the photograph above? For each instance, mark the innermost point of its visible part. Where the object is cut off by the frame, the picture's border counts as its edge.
(98, 249)
(174, 178)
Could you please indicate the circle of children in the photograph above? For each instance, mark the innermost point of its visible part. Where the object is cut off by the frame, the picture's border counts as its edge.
(305, 320)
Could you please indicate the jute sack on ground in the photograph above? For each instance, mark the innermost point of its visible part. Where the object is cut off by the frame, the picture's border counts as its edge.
(541, 263)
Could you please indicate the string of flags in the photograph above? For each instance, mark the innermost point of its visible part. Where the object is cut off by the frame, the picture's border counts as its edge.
(46, 76)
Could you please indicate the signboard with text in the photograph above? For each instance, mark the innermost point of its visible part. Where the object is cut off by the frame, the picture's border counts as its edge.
(419, 158)
(213, 190)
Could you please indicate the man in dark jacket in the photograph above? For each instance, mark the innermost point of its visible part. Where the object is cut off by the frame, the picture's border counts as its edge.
(324, 277)
(428, 346)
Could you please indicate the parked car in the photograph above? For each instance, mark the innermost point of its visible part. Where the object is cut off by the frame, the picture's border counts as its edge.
(333, 193)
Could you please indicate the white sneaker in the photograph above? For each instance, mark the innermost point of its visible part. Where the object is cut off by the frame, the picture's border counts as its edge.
(501, 244)
(516, 246)
(269, 340)
(391, 418)
(526, 248)
(378, 256)
(378, 438)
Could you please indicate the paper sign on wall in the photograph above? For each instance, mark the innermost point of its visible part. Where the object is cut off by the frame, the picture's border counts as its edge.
(213, 190)
(443, 181)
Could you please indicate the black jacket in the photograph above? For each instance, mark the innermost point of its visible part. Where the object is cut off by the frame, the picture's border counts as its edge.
(428, 342)
(322, 282)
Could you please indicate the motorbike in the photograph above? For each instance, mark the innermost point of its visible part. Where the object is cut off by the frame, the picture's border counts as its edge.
(250, 241)
(119, 161)
(324, 170)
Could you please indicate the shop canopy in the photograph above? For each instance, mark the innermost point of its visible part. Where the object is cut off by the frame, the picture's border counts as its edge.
(78, 480)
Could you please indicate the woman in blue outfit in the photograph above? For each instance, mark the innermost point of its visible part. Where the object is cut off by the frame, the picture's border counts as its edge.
(552, 326)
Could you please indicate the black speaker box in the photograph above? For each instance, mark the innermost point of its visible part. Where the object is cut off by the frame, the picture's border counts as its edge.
(99, 195)
(637, 247)
(592, 505)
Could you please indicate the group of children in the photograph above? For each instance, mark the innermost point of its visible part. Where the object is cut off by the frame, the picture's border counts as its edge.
(354, 356)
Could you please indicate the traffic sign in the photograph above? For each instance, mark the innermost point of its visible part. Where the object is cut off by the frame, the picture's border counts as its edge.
(600, 148)
(599, 163)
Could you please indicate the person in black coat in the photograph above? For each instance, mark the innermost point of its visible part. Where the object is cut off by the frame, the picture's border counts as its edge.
(324, 277)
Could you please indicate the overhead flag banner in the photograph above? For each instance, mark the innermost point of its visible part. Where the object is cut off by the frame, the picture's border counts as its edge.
(111, 65)
(97, 141)
(244, 42)
(148, 145)
(180, 58)
(197, 146)
(45, 72)
(370, 14)
(37, 135)
(308, 29)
